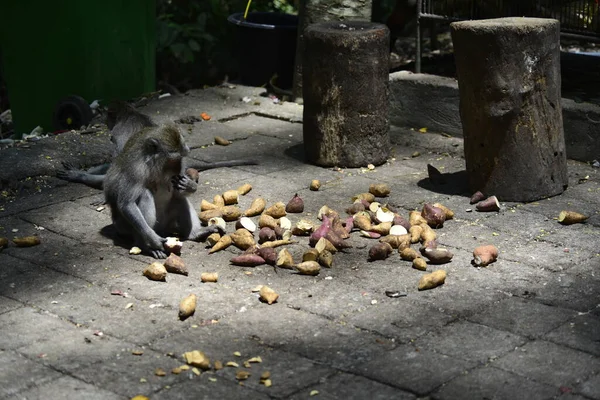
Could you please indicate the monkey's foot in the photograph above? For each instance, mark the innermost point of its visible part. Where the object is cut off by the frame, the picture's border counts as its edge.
(158, 254)
(206, 232)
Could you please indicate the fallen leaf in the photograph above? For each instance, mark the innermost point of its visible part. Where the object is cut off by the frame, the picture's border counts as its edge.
(159, 372)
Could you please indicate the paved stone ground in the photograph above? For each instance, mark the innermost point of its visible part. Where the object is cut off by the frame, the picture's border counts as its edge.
(526, 327)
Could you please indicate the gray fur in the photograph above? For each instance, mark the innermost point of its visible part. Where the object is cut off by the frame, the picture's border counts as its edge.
(139, 188)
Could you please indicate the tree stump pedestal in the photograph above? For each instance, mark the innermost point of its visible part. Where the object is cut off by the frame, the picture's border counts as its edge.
(510, 106)
(346, 93)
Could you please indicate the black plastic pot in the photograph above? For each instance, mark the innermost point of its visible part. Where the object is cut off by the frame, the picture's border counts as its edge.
(266, 45)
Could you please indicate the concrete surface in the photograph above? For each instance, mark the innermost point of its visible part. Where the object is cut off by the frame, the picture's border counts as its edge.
(431, 101)
(526, 327)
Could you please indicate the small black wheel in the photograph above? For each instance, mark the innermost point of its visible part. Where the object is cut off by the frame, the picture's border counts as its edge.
(72, 112)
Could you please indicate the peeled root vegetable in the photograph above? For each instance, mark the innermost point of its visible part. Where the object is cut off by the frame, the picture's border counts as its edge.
(420, 264)
(432, 280)
(231, 197)
(209, 277)
(449, 213)
(310, 255)
(315, 185)
(175, 265)
(485, 255)
(397, 241)
(223, 243)
(242, 239)
(415, 233)
(268, 295)
(258, 206)
(231, 213)
(325, 259)
(244, 189)
(409, 254)
(269, 254)
(173, 245)
(277, 243)
(207, 205)
(268, 221)
(187, 307)
(26, 241)
(303, 228)
(438, 255)
(415, 218)
(213, 238)
(247, 260)
(380, 251)
(245, 223)
(277, 210)
(434, 216)
(308, 268)
(323, 244)
(155, 271)
(571, 217)
(284, 259)
(295, 205)
(379, 190)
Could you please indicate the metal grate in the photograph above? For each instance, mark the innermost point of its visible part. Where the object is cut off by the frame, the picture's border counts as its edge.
(578, 18)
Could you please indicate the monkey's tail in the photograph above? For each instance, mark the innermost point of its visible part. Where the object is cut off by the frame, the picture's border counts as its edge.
(221, 164)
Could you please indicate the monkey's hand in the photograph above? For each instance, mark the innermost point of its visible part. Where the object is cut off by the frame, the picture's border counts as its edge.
(156, 247)
(184, 184)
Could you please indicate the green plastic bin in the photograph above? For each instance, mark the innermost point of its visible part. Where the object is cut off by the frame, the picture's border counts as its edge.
(99, 50)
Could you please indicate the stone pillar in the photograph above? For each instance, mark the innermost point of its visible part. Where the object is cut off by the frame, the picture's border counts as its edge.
(346, 91)
(510, 106)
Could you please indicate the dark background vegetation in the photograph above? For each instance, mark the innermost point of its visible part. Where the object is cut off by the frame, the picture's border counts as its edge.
(195, 42)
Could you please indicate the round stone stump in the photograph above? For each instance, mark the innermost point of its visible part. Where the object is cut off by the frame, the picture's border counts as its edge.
(510, 106)
(346, 93)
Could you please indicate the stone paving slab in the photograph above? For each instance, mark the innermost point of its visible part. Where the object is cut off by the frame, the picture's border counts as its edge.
(348, 386)
(492, 383)
(289, 372)
(524, 327)
(582, 333)
(68, 387)
(523, 317)
(470, 341)
(550, 363)
(18, 373)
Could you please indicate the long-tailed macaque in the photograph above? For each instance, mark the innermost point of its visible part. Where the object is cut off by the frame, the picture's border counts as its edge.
(145, 201)
(123, 120)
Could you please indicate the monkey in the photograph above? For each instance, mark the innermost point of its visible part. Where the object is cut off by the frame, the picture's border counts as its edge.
(145, 203)
(123, 120)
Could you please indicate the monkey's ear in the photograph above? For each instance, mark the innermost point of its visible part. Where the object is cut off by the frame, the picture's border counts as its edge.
(152, 146)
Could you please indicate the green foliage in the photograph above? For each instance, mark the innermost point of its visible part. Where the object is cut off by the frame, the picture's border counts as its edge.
(195, 40)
